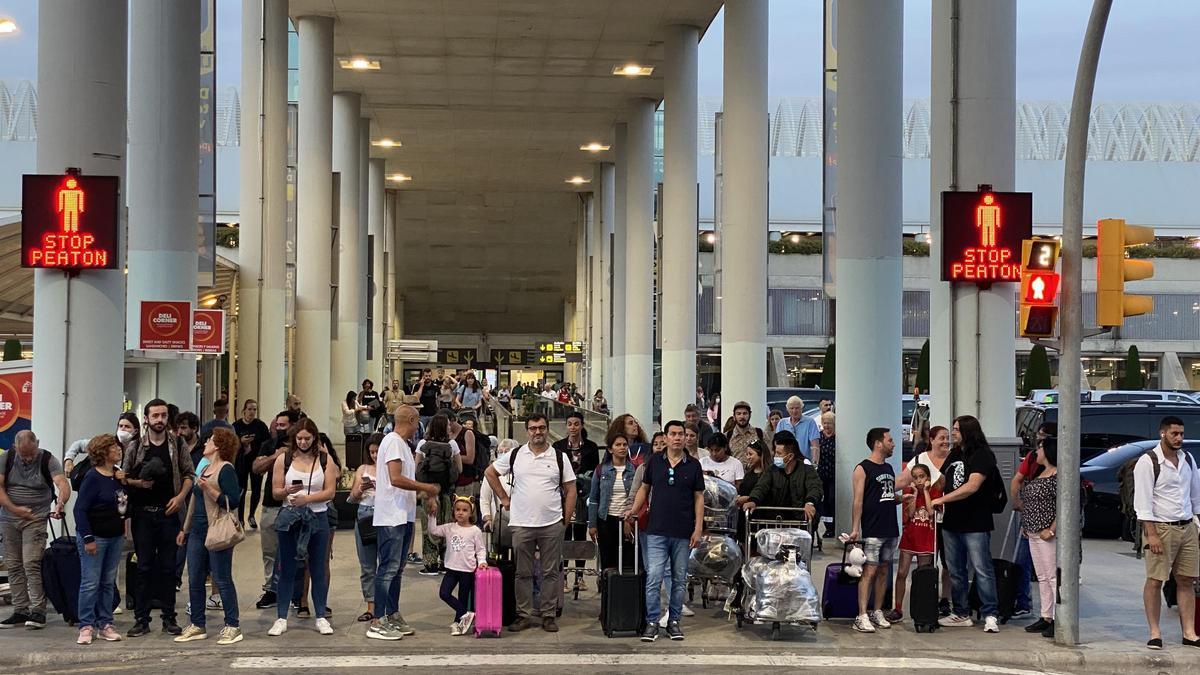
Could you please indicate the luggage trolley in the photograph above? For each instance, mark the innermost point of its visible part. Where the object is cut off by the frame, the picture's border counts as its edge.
(770, 517)
(720, 516)
(576, 549)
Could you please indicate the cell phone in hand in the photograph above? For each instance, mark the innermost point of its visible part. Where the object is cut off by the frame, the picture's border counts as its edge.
(297, 482)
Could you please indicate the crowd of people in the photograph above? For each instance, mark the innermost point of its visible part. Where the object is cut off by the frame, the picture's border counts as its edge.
(178, 491)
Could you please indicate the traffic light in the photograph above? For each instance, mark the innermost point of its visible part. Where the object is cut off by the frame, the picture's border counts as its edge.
(1113, 270)
(1039, 287)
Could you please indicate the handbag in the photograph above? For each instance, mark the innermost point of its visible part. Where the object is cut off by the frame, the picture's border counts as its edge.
(366, 530)
(224, 531)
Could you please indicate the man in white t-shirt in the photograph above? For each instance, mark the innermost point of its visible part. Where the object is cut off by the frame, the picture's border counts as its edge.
(395, 513)
(719, 463)
(541, 504)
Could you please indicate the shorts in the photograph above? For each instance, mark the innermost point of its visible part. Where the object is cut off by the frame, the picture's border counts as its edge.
(880, 550)
(1181, 552)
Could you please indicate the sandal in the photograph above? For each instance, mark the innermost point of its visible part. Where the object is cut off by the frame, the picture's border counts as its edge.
(302, 612)
(366, 616)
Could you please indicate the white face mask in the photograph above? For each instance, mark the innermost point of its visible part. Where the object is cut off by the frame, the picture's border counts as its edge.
(124, 436)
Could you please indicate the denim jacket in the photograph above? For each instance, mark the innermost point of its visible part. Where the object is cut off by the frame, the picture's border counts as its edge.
(302, 516)
(602, 489)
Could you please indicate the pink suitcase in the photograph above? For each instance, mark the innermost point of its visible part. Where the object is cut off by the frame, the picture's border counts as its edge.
(489, 602)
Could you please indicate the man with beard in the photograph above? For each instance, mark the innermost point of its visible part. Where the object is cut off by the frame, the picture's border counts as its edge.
(874, 517)
(740, 433)
(159, 475)
(268, 452)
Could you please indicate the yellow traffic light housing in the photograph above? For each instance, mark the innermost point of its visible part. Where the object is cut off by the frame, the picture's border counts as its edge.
(1039, 287)
(1113, 270)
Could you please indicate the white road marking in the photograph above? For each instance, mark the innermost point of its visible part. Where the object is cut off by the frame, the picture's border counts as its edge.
(624, 660)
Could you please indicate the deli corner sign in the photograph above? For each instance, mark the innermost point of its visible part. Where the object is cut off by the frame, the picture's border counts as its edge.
(982, 233)
(175, 326)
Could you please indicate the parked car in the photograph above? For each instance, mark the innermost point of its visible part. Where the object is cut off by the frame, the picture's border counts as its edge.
(1116, 395)
(1102, 511)
(1107, 425)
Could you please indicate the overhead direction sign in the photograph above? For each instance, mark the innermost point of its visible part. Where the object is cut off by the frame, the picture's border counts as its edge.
(561, 351)
(69, 221)
(982, 233)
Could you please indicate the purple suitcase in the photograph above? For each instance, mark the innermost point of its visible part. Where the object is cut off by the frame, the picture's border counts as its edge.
(839, 599)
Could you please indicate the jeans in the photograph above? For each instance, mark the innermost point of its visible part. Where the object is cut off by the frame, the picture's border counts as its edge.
(368, 555)
(270, 547)
(98, 581)
(465, 581)
(972, 550)
(154, 535)
(665, 555)
(24, 546)
(547, 542)
(392, 545)
(318, 555)
(1024, 564)
(201, 562)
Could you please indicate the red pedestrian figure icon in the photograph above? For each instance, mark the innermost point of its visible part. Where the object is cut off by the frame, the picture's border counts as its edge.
(987, 220)
(70, 204)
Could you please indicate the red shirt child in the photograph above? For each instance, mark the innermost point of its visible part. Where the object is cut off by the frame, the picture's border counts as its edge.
(917, 537)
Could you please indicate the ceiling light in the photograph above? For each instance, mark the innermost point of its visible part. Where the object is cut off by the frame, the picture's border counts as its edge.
(578, 180)
(211, 300)
(7, 25)
(359, 63)
(594, 146)
(386, 143)
(633, 70)
(399, 178)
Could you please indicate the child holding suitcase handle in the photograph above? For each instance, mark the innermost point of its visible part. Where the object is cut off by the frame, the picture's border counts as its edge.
(466, 552)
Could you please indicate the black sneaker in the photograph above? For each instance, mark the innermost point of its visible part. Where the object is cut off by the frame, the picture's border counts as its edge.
(266, 600)
(139, 629)
(1191, 643)
(36, 620)
(1048, 631)
(522, 623)
(943, 608)
(253, 523)
(428, 571)
(18, 619)
(1037, 626)
(170, 627)
(674, 631)
(650, 634)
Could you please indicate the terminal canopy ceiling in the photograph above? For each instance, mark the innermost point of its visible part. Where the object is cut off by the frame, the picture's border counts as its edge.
(491, 101)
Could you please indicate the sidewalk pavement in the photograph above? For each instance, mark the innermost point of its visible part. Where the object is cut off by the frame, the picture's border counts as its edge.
(1113, 631)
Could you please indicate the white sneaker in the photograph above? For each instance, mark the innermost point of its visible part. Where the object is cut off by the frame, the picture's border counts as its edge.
(118, 610)
(323, 626)
(467, 621)
(955, 621)
(456, 628)
(687, 611)
(862, 624)
(878, 619)
(990, 625)
(279, 628)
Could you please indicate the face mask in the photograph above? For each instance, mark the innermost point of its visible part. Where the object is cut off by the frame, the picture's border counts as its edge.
(124, 436)
(779, 462)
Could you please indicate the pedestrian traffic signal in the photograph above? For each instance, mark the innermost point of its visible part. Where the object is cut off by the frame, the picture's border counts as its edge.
(1113, 270)
(1039, 287)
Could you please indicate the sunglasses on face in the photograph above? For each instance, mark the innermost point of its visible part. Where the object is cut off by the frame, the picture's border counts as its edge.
(671, 476)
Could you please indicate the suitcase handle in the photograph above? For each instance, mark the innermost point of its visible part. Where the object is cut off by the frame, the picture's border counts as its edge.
(621, 548)
(50, 525)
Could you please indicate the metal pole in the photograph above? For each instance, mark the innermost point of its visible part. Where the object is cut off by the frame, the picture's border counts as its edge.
(1069, 543)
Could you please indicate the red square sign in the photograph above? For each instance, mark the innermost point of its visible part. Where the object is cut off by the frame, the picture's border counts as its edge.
(165, 325)
(208, 331)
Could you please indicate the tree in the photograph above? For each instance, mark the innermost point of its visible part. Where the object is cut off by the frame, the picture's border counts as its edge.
(12, 349)
(829, 373)
(923, 368)
(1132, 378)
(1037, 373)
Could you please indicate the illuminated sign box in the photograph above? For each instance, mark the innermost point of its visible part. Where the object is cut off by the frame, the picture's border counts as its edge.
(981, 235)
(69, 222)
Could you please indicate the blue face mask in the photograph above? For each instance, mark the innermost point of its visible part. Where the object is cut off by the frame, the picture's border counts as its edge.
(779, 462)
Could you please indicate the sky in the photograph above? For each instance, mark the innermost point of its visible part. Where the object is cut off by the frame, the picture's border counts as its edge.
(1149, 51)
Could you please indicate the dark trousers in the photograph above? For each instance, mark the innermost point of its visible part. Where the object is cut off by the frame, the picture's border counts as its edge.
(609, 530)
(254, 481)
(466, 587)
(154, 535)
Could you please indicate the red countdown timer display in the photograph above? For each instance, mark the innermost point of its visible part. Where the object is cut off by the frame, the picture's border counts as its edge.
(982, 233)
(69, 221)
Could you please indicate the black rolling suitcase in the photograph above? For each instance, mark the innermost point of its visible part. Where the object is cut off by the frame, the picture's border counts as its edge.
(1008, 576)
(923, 598)
(61, 575)
(623, 595)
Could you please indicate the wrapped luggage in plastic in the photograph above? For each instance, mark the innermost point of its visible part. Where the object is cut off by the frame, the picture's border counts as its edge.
(772, 540)
(720, 503)
(784, 592)
(715, 557)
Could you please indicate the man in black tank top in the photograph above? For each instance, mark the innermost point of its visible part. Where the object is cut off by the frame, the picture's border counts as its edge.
(874, 518)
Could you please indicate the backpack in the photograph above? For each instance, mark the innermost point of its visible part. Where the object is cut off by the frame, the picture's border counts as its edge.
(437, 465)
(1126, 488)
(81, 468)
(995, 490)
(10, 458)
(483, 454)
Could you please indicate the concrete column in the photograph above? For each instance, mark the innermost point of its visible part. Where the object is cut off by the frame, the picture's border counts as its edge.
(579, 323)
(677, 315)
(164, 114)
(365, 254)
(600, 295)
(615, 321)
(262, 204)
(639, 263)
(343, 360)
(971, 332)
(78, 348)
(744, 227)
(870, 72)
(314, 210)
(377, 228)
(389, 297)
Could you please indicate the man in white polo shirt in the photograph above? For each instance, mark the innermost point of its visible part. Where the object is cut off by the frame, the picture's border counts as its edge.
(541, 503)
